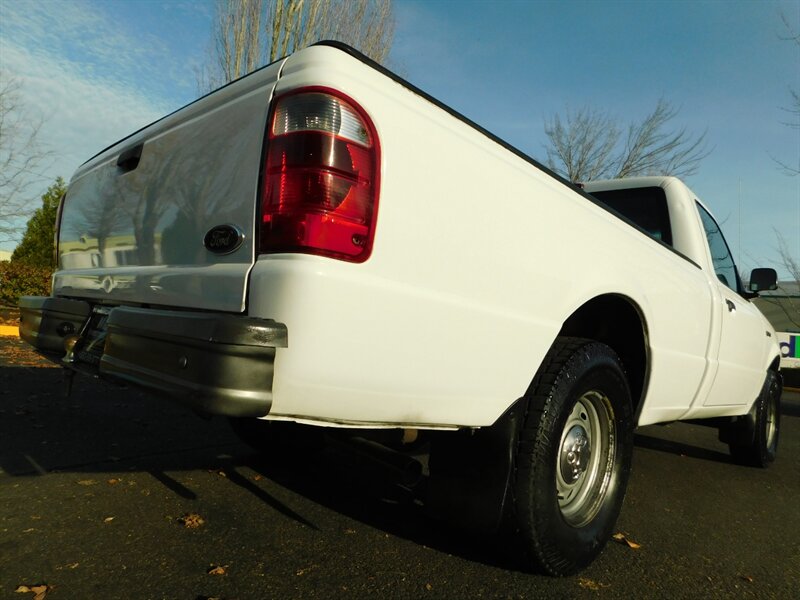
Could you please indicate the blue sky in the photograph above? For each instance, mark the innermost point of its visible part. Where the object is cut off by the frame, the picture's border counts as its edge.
(98, 70)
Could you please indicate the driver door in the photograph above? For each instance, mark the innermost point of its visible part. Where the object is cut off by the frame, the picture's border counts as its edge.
(740, 328)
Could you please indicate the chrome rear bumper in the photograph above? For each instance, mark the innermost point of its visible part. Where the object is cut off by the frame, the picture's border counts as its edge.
(216, 363)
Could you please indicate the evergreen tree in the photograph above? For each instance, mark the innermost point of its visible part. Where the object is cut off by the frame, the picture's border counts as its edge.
(36, 247)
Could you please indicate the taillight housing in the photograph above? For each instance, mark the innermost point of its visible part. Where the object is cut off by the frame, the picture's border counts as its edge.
(320, 178)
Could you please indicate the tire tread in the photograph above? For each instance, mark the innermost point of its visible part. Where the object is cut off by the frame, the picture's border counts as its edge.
(534, 441)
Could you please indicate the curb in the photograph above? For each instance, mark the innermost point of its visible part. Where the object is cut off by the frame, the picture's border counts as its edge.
(9, 330)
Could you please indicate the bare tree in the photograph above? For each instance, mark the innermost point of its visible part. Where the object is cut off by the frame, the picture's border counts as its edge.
(238, 38)
(582, 147)
(251, 33)
(784, 308)
(21, 160)
(791, 262)
(589, 145)
(794, 105)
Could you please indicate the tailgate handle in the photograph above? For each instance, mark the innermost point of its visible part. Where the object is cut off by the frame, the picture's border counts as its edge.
(129, 159)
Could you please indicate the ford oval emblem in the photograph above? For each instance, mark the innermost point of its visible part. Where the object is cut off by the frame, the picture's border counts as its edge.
(223, 239)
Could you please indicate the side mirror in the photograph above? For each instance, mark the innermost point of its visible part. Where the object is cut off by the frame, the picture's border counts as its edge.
(762, 280)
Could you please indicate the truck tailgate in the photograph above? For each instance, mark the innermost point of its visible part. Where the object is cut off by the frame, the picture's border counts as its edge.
(167, 215)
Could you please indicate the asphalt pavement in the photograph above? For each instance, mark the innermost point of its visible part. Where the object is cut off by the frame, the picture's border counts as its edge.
(112, 493)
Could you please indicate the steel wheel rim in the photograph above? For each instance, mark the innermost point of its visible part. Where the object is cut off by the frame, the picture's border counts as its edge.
(772, 420)
(585, 458)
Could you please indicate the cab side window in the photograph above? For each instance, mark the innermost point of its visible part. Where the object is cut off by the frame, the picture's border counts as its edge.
(644, 207)
(724, 267)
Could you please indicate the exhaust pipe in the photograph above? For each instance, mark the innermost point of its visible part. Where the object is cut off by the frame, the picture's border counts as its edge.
(408, 470)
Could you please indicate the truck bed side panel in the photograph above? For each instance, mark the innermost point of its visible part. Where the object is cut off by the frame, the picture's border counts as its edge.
(479, 257)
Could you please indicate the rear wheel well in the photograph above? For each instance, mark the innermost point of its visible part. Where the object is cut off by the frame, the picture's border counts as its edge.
(617, 322)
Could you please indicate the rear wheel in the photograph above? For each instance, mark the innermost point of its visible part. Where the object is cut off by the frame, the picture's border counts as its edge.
(573, 457)
(754, 439)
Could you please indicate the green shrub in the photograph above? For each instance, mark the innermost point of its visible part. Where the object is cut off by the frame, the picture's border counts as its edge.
(18, 279)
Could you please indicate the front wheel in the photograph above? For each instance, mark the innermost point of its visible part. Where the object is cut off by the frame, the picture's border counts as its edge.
(573, 457)
(754, 439)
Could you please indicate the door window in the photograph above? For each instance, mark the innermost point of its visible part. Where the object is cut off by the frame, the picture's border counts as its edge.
(724, 267)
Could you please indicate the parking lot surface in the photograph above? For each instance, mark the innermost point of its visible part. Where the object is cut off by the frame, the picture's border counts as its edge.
(112, 493)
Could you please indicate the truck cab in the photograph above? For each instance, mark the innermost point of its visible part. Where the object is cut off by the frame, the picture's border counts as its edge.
(669, 211)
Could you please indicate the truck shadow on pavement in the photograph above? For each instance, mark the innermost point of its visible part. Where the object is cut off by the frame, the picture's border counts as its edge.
(791, 405)
(333, 479)
(650, 437)
(680, 448)
(103, 428)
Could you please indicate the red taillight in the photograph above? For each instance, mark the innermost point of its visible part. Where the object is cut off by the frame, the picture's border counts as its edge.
(320, 181)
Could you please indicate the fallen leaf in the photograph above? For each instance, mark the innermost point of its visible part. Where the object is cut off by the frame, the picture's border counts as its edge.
(300, 572)
(114, 481)
(258, 477)
(621, 538)
(16, 352)
(746, 578)
(217, 570)
(590, 584)
(108, 519)
(28, 530)
(191, 520)
(349, 531)
(87, 482)
(39, 591)
(428, 587)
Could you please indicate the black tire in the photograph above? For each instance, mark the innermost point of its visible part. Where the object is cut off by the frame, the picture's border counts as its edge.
(756, 441)
(278, 438)
(565, 503)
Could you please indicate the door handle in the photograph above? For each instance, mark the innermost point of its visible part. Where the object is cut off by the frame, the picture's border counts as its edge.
(129, 159)
(731, 305)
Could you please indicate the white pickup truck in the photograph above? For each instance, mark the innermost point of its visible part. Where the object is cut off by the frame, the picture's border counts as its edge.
(320, 244)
